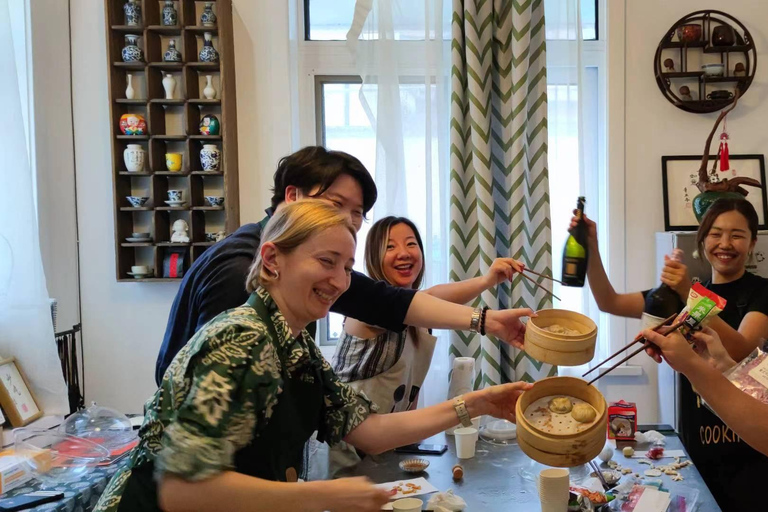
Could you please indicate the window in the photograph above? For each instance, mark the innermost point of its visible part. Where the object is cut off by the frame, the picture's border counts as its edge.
(333, 115)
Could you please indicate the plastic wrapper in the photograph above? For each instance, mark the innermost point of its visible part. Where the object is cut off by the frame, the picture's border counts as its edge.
(702, 305)
(446, 501)
(751, 374)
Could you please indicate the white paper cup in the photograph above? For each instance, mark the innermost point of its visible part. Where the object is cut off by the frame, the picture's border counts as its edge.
(553, 487)
(466, 438)
(407, 505)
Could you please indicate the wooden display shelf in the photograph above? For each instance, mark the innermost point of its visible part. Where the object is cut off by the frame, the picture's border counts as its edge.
(131, 137)
(128, 29)
(169, 137)
(678, 44)
(204, 102)
(204, 66)
(199, 29)
(163, 101)
(174, 30)
(741, 48)
(130, 65)
(167, 66)
(179, 116)
(723, 79)
(136, 208)
(683, 74)
(205, 137)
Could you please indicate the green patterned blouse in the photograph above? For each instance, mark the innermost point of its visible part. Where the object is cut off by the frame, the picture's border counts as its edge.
(220, 391)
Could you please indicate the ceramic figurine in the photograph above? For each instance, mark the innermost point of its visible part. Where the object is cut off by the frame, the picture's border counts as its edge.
(131, 52)
(208, 18)
(130, 93)
(669, 65)
(169, 84)
(210, 157)
(170, 16)
(133, 124)
(739, 69)
(180, 232)
(134, 158)
(132, 10)
(209, 92)
(685, 93)
(220, 235)
(172, 54)
(209, 125)
(209, 53)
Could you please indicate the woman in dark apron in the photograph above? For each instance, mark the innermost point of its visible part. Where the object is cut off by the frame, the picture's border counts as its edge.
(726, 238)
(226, 429)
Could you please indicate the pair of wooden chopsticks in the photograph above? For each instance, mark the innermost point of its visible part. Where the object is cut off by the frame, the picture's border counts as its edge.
(537, 283)
(640, 338)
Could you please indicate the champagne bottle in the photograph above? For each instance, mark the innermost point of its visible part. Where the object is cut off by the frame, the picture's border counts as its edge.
(576, 253)
(663, 301)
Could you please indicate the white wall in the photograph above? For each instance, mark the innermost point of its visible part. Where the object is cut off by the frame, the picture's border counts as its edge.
(123, 323)
(653, 128)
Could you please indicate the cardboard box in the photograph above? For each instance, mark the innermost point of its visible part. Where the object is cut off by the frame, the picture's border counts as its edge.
(622, 420)
(13, 471)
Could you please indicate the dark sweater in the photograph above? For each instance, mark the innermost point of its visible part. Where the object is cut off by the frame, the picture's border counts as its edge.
(216, 283)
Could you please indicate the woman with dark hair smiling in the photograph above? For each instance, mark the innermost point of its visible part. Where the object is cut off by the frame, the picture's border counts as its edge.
(726, 239)
(390, 366)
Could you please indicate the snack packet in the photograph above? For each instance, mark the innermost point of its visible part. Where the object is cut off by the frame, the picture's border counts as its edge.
(702, 305)
(751, 374)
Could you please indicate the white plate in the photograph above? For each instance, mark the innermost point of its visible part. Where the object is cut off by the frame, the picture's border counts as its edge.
(140, 276)
(138, 240)
(175, 203)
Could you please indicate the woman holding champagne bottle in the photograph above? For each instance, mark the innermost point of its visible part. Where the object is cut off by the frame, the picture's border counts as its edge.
(726, 238)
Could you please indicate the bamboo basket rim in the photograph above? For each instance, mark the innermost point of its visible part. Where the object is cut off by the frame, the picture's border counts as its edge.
(528, 398)
(546, 314)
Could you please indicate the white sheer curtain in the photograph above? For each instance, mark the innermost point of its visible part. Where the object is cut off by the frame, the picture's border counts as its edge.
(26, 329)
(402, 52)
(573, 148)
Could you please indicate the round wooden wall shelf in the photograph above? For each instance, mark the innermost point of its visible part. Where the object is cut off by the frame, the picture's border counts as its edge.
(703, 59)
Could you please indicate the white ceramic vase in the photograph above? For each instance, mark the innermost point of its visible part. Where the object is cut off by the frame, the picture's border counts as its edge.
(130, 93)
(209, 92)
(169, 84)
(134, 157)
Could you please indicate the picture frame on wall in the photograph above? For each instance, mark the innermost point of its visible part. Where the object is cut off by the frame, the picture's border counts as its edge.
(16, 398)
(679, 177)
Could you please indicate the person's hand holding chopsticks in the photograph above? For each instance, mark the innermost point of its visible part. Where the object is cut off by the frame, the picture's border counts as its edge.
(503, 269)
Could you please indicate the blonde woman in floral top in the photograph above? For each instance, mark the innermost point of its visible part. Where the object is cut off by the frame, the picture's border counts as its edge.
(226, 429)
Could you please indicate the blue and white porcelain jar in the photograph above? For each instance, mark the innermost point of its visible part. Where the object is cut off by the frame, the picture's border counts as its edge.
(131, 52)
(209, 53)
(210, 157)
(172, 54)
(170, 16)
(132, 10)
(208, 17)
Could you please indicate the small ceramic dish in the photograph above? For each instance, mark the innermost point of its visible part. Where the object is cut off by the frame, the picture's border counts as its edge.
(135, 240)
(713, 69)
(137, 201)
(214, 200)
(611, 476)
(414, 465)
(175, 203)
(140, 275)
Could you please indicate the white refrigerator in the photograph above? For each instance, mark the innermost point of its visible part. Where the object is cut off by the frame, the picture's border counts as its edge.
(699, 270)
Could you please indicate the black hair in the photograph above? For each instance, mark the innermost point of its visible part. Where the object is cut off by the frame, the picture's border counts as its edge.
(724, 205)
(315, 166)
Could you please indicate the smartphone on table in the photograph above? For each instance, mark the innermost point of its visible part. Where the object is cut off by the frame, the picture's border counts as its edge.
(29, 500)
(423, 449)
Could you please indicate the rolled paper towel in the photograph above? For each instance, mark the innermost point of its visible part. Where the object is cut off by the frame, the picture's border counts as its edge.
(462, 378)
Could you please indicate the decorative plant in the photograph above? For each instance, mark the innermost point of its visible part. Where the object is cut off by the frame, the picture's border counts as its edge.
(712, 191)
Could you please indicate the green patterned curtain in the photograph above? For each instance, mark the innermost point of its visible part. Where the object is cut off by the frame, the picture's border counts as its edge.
(499, 183)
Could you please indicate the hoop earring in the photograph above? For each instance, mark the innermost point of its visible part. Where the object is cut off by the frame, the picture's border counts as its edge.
(276, 274)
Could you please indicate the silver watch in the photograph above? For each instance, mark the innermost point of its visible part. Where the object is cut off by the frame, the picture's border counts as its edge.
(474, 324)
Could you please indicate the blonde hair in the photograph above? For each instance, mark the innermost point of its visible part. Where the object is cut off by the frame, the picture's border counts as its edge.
(291, 226)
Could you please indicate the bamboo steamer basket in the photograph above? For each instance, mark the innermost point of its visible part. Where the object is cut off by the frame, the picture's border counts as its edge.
(562, 451)
(561, 349)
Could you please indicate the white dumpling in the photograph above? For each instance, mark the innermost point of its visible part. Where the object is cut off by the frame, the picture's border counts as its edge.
(583, 413)
(560, 405)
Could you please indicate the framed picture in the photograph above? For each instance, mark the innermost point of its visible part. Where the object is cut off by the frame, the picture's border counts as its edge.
(15, 396)
(679, 177)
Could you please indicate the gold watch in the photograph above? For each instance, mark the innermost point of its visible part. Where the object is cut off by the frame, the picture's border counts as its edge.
(461, 411)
